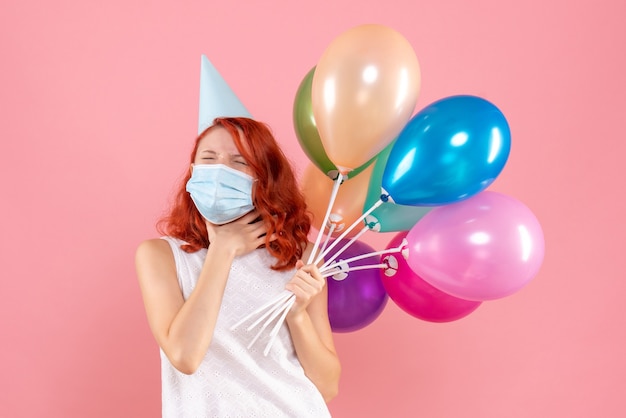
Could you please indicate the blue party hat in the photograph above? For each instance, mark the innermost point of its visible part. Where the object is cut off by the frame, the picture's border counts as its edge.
(217, 99)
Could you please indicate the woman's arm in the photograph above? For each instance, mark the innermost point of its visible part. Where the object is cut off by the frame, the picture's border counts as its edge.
(311, 332)
(184, 328)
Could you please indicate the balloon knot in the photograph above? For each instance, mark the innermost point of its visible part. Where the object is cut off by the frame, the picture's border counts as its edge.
(384, 197)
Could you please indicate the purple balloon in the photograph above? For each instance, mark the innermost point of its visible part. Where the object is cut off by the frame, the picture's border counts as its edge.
(414, 295)
(486, 247)
(355, 298)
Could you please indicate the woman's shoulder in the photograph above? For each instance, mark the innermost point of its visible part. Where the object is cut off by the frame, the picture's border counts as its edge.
(153, 248)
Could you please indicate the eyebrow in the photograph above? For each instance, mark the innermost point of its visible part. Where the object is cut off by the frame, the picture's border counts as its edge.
(216, 153)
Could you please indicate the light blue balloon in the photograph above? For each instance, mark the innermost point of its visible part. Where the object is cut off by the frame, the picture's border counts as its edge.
(388, 216)
(448, 152)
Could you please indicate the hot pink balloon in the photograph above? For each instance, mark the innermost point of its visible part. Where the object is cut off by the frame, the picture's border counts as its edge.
(486, 247)
(415, 296)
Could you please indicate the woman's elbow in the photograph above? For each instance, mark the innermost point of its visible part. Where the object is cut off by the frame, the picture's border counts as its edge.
(331, 388)
(185, 367)
(184, 362)
(330, 393)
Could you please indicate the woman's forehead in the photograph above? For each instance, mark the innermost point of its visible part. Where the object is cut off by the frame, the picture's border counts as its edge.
(218, 139)
(219, 142)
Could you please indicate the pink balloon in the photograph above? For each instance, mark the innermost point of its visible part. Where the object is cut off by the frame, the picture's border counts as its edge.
(486, 247)
(415, 296)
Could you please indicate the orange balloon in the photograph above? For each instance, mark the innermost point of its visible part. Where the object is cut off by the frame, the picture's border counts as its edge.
(348, 207)
(364, 91)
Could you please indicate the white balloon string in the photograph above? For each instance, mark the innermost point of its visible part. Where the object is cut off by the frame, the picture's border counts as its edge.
(356, 268)
(326, 268)
(331, 202)
(350, 228)
(348, 244)
(274, 331)
(282, 296)
(285, 310)
(328, 234)
(275, 313)
(273, 309)
(327, 273)
(282, 304)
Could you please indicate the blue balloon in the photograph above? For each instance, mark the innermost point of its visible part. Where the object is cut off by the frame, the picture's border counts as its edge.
(388, 216)
(448, 152)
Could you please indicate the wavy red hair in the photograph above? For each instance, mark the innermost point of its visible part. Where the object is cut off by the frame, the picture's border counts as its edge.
(276, 196)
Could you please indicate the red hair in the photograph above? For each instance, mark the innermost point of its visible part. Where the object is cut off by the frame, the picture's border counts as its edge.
(276, 196)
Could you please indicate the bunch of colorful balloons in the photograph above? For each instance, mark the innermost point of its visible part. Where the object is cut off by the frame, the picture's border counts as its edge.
(424, 177)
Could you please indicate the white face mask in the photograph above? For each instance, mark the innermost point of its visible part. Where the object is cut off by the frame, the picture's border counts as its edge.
(221, 194)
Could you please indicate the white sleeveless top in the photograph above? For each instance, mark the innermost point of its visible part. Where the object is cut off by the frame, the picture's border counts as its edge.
(232, 380)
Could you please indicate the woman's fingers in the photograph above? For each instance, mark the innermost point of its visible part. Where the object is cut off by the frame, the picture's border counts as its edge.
(307, 282)
(246, 233)
(314, 272)
(249, 217)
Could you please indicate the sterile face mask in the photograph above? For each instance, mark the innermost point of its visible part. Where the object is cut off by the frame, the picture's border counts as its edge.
(221, 194)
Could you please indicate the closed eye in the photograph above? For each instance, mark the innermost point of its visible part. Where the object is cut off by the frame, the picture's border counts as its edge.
(208, 155)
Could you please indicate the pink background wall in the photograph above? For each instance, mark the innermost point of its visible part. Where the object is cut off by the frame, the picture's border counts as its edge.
(99, 109)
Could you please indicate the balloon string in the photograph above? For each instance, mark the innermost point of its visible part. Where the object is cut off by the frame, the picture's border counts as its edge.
(274, 313)
(331, 202)
(274, 331)
(286, 306)
(282, 296)
(326, 268)
(350, 228)
(268, 313)
(286, 299)
(356, 268)
(348, 244)
(328, 234)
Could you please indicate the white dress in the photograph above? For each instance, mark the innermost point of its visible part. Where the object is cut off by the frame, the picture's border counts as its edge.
(232, 380)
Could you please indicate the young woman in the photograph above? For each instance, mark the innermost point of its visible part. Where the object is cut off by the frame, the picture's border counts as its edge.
(234, 239)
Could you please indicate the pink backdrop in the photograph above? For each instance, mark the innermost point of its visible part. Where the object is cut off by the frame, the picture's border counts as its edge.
(99, 109)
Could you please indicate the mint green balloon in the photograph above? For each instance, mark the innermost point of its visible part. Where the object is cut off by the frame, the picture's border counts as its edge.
(388, 217)
(307, 134)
